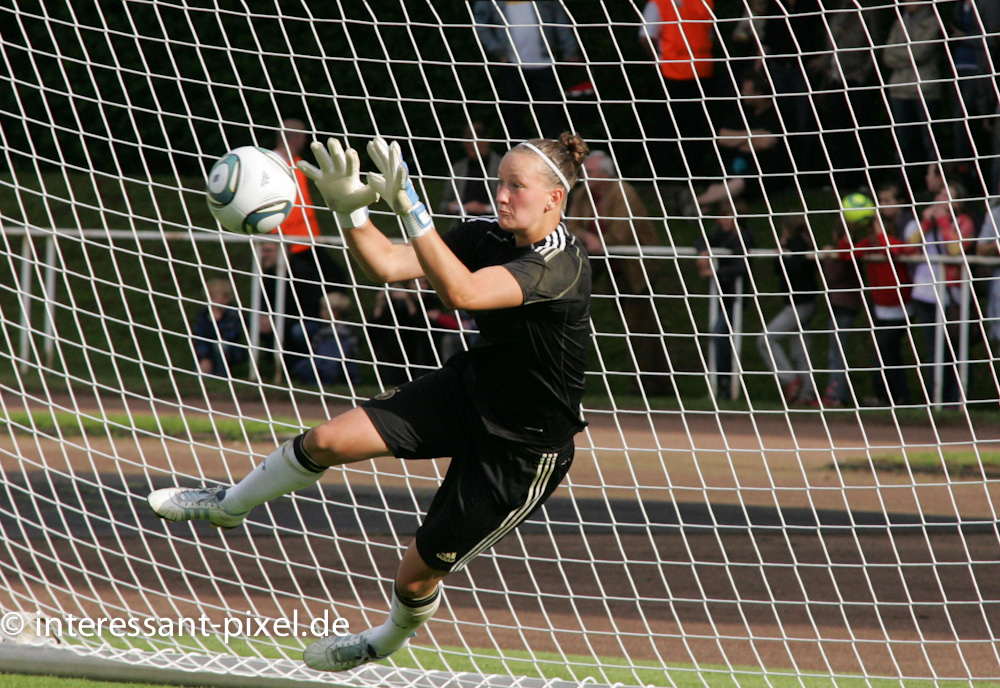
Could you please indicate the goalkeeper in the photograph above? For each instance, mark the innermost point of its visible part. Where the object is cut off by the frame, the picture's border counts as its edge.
(505, 411)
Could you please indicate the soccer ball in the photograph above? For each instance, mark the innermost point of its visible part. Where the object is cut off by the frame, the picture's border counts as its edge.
(857, 208)
(251, 190)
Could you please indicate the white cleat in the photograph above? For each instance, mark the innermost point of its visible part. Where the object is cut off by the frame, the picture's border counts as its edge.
(340, 653)
(186, 504)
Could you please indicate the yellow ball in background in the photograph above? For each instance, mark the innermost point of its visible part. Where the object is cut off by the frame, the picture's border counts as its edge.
(857, 208)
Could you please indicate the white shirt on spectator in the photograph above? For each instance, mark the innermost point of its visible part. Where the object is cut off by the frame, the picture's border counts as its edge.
(652, 27)
(924, 275)
(991, 232)
(527, 40)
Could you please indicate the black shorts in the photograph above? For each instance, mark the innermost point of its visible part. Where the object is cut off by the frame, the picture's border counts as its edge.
(492, 484)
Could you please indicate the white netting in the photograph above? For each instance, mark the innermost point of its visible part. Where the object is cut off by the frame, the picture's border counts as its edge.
(721, 522)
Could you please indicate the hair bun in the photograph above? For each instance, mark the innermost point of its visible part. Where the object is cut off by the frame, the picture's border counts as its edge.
(575, 145)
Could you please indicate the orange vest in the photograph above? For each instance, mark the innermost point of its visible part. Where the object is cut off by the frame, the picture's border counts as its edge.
(686, 39)
(301, 222)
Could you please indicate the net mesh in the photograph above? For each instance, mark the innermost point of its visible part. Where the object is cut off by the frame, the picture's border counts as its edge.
(786, 478)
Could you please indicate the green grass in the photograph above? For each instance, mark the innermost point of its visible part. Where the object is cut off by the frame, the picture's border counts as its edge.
(64, 424)
(957, 464)
(29, 681)
(574, 668)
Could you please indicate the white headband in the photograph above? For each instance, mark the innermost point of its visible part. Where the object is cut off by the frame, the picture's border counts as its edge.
(548, 161)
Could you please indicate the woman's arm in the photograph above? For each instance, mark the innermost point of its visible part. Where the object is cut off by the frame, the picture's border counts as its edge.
(458, 287)
(381, 259)
(958, 237)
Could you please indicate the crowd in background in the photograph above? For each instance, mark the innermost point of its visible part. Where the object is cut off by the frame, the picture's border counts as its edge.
(901, 104)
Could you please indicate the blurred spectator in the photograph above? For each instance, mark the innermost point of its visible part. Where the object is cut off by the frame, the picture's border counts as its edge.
(896, 210)
(301, 223)
(682, 36)
(989, 245)
(651, 29)
(474, 177)
(849, 96)
(527, 39)
(797, 281)
(938, 175)
(793, 30)
(752, 147)
(399, 335)
(913, 56)
(333, 344)
(451, 331)
(609, 212)
(268, 256)
(973, 98)
(723, 258)
(933, 180)
(989, 13)
(311, 268)
(889, 285)
(218, 331)
(748, 37)
(945, 230)
(843, 295)
(649, 106)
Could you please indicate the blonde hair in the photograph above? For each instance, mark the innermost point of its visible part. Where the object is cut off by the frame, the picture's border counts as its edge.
(222, 288)
(336, 303)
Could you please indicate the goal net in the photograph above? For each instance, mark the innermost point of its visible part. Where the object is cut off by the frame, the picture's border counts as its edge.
(790, 470)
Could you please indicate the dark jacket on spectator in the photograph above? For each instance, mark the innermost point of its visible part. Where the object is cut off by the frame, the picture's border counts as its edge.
(728, 268)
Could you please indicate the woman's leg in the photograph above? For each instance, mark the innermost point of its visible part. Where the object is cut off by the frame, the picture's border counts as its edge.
(798, 347)
(295, 465)
(780, 328)
(300, 462)
(348, 438)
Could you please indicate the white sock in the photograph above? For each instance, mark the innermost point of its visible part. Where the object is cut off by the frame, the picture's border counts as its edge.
(405, 617)
(287, 469)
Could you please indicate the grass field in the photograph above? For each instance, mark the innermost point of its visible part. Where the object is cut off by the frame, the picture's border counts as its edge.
(955, 463)
(677, 677)
(26, 681)
(32, 681)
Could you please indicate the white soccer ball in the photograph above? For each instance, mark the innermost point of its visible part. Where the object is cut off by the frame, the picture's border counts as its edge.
(251, 190)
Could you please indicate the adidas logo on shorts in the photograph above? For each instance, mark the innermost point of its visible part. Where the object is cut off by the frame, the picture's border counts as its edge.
(447, 557)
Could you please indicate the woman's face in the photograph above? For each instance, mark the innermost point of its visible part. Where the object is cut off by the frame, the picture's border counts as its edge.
(524, 193)
(933, 179)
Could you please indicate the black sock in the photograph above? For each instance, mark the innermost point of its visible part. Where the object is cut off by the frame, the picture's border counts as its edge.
(298, 448)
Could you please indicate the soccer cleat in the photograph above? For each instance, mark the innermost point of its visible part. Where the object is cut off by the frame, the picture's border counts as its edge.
(185, 504)
(340, 653)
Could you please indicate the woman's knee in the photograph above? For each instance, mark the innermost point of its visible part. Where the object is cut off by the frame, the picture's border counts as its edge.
(349, 437)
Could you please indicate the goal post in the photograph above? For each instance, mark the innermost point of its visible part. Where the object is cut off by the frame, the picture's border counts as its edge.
(791, 466)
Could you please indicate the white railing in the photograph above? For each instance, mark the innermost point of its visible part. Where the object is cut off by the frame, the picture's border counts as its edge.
(49, 270)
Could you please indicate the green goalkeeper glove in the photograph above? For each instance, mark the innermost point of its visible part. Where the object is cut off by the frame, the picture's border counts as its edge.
(338, 179)
(395, 187)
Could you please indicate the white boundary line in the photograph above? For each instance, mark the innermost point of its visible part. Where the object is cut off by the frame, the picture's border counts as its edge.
(227, 671)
